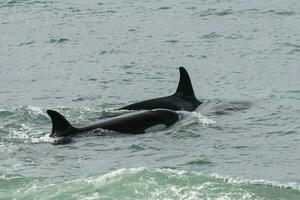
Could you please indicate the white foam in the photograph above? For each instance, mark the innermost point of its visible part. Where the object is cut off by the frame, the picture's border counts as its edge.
(6, 177)
(202, 119)
(22, 133)
(240, 180)
(43, 139)
(183, 173)
(111, 175)
(93, 196)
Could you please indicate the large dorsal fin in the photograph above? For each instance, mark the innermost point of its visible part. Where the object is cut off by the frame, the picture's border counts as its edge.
(185, 85)
(60, 125)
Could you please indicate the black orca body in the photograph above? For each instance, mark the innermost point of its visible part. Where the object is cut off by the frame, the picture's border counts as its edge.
(183, 99)
(134, 123)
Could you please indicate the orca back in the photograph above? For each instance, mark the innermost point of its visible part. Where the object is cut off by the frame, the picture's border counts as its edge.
(139, 121)
(183, 99)
(133, 123)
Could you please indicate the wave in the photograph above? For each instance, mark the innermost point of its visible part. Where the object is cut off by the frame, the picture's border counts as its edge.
(146, 183)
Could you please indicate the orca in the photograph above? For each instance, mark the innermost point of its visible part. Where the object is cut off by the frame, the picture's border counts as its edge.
(183, 99)
(133, 123)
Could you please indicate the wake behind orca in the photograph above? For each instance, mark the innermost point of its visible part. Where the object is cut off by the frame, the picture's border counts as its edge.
(183, 99)
(133, 123)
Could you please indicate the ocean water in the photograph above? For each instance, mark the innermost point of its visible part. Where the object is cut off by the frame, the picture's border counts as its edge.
(87, 58)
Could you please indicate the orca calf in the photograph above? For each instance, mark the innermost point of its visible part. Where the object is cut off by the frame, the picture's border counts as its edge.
(134, 123)
(183, 99)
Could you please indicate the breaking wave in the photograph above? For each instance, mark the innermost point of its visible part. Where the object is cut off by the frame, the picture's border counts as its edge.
(145, 183)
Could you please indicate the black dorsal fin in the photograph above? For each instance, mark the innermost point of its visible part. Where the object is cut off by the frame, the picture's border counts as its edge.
(185, 85)
(60, 125)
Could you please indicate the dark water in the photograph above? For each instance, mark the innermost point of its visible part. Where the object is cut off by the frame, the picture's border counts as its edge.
(86, 58)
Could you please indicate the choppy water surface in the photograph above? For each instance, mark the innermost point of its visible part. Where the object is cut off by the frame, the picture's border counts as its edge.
(86, 58)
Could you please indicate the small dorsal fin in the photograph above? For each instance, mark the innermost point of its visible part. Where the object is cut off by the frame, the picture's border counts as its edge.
(185, 85)
(60, 125)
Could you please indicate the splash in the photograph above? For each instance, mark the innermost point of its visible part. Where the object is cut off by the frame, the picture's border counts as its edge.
(44, 139)
(29, 135)
(202, 119)
(27, 124)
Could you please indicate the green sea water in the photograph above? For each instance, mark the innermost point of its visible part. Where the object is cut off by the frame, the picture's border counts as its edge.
(87, 58)
(143, 183)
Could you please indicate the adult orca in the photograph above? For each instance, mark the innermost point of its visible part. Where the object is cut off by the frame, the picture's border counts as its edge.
(183, 99)
(134, 123)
